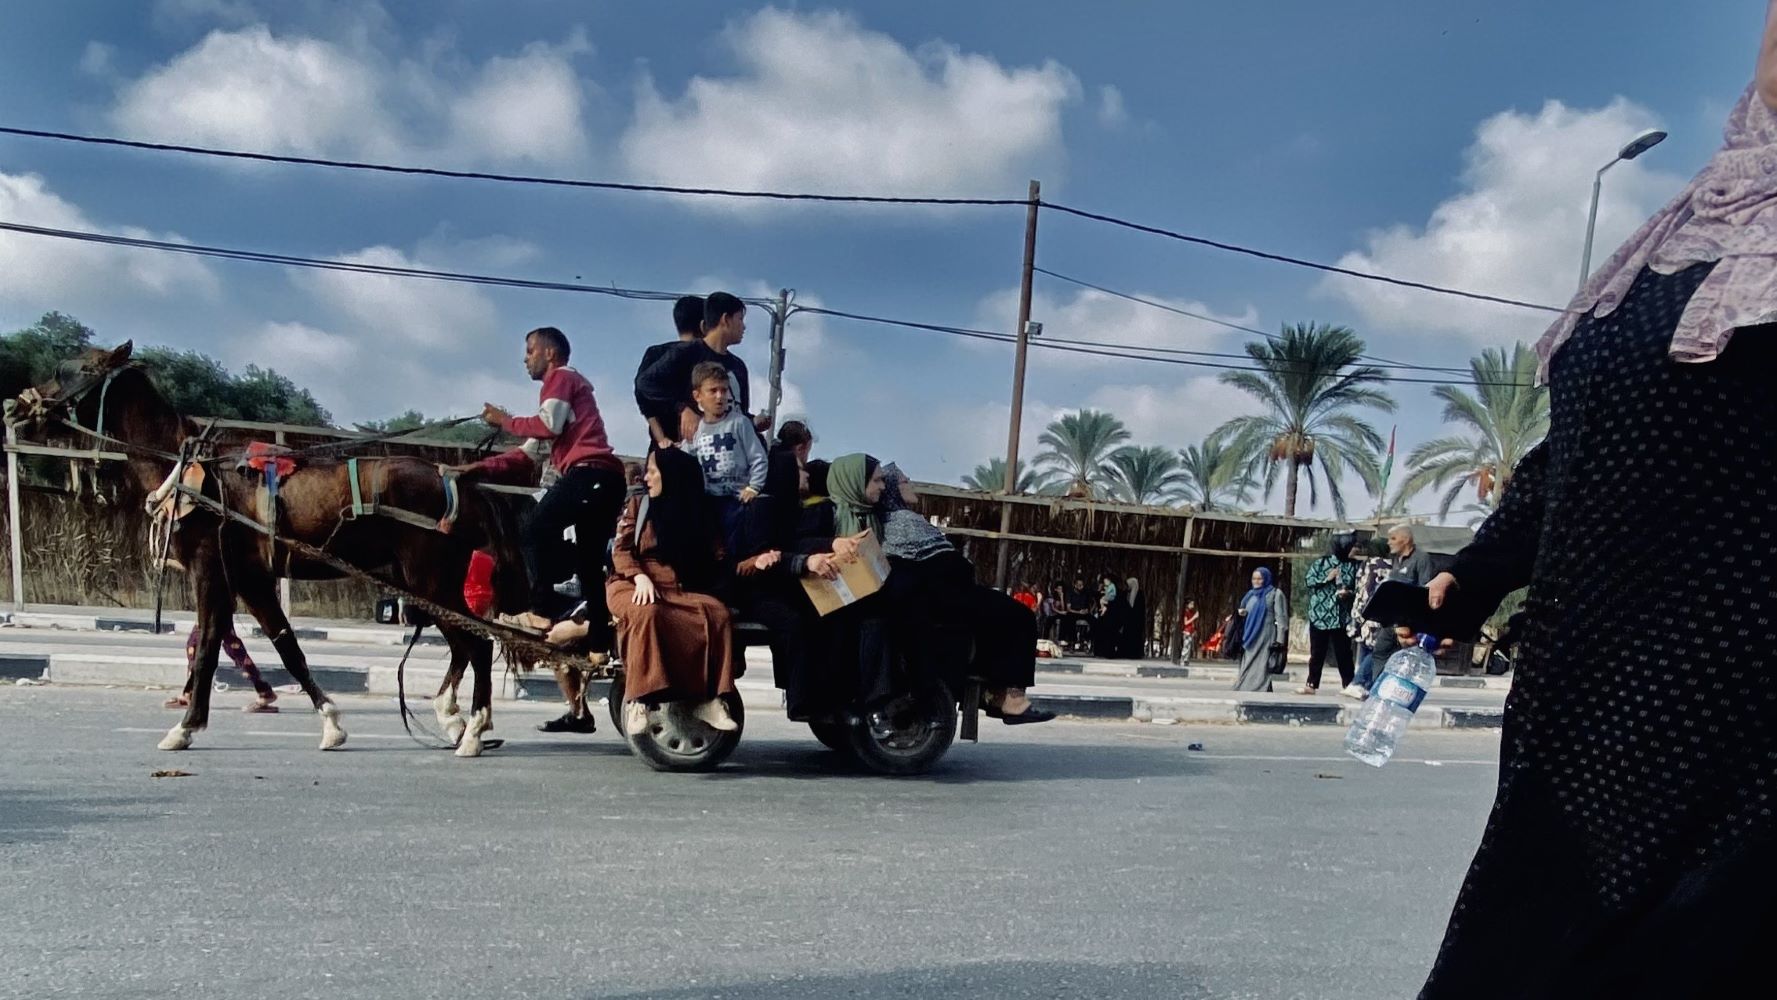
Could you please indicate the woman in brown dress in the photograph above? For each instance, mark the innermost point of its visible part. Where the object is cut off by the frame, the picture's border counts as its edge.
(676, 638)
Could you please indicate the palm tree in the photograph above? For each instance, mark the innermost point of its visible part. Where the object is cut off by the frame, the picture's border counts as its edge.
(1079, 448)
(1508, 414)
(1309, 379)
(1213, 475)
(990, 477)
(1144, 475)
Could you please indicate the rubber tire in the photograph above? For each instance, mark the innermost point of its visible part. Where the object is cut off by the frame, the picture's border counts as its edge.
(833, 735)
(714, 748)
(614, 701)
(918, 759)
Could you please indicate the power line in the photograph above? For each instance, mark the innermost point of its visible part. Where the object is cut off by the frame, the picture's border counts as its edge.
(1086, 347)
(359, 267)
(1379, 361)
(1296, 261)
(787, 196)
(1130, 352)
(477, 175)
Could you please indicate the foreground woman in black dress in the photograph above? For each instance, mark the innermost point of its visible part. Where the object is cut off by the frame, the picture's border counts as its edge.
(1629, 853)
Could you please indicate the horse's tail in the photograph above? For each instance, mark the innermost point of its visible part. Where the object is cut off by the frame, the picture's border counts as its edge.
(499, 519)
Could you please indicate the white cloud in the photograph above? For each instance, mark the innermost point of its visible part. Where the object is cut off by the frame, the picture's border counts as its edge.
(253, 89)
(304, 348)
(1111, 112)
(404, 313)
(1517, 226)
(957, 436)
(525, 108)
(1173, 415)
(822, 104)
(1093, 315)
(48, 273)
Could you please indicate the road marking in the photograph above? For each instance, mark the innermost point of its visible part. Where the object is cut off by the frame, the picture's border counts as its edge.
(276, 732)
(1347, 760)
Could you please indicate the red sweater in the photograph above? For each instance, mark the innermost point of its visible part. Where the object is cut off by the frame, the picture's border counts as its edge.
(568, 418)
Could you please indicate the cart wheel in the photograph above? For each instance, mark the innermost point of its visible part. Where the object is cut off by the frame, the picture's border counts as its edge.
(924, 729)
(614, 701)
(675, 740)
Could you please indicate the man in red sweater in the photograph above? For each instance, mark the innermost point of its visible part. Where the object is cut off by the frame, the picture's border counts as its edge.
(588, 495)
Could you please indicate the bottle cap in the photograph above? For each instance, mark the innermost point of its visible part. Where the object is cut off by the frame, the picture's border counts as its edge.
(1429, 643)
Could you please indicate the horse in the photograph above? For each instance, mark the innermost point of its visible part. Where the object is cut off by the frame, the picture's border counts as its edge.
(104, 396)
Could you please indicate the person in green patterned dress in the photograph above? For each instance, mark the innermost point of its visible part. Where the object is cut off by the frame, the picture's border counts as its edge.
(1332, 580)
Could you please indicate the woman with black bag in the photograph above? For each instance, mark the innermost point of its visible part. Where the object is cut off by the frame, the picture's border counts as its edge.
(1264, 618)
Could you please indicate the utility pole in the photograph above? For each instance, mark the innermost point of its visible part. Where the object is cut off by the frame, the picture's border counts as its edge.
(779, 316)
(1011, 483)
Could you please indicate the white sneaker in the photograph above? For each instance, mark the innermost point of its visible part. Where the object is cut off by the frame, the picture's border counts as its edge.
(715, 715)
(1354, 692)
(635, 718)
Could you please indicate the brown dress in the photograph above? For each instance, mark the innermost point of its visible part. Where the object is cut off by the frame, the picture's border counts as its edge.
(680, 648)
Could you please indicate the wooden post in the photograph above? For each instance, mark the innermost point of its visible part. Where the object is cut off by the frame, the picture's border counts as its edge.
(12, 516)
(283, 582)
(1178, 594)
(1011, 481)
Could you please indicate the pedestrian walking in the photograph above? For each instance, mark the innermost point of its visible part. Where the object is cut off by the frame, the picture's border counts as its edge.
(1264, 617)
(237, 651)
(1628, 854)
(1332, 581)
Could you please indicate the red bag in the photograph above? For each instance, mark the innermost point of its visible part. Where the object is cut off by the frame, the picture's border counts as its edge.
(478, 587)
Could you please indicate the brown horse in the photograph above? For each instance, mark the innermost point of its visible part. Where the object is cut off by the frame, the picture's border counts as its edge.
(104, 397)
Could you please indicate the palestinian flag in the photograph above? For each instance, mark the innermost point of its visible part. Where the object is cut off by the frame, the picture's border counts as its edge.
(1388, 464)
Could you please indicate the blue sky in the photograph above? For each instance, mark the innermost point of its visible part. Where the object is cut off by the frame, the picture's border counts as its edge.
(1447, 142)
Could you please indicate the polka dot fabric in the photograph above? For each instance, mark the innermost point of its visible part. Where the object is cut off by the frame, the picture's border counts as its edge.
(1640, 748)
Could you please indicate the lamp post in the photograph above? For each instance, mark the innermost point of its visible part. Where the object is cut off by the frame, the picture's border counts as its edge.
(1637, 146)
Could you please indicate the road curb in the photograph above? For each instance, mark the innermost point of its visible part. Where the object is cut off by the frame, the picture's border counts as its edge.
(757, 692)
(1295, 674)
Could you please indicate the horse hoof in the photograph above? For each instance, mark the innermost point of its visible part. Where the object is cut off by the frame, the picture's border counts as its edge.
(332, 736)
(469, 748)
(454, 730)
(177, 738)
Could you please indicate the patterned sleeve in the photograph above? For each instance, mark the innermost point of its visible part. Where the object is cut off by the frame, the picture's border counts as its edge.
(1501, 557)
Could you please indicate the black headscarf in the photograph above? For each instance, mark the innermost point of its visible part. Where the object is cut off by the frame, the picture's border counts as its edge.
(1340, 545)
(769, 522)
(682, 537)
(817, 477)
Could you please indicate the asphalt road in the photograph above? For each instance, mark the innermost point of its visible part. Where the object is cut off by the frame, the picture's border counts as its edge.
(1059, 861)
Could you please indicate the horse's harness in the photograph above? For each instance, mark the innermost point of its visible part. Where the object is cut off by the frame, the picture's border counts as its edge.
(185, 490)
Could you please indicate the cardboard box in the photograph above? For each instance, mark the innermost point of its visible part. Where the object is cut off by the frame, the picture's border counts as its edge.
(859, 577)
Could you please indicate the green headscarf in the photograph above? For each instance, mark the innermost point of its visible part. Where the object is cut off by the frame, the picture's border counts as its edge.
(846, 481)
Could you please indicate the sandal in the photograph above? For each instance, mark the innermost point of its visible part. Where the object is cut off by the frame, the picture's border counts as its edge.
(1028, 716)
(1305, 689)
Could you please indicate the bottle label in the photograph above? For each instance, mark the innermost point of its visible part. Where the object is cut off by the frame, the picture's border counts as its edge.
(1398, 690)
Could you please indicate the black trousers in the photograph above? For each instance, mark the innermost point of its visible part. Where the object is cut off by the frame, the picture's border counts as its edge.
(588, 499)
(1319, 641)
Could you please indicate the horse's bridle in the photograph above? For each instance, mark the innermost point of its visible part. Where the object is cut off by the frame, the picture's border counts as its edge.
(32, 405)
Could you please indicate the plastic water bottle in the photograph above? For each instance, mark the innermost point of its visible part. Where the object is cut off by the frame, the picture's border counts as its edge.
(1382, 719)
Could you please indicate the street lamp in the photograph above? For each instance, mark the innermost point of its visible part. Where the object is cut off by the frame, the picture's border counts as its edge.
(1637, 146)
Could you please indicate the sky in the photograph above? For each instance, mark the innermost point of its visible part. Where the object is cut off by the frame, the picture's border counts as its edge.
(1452, 143)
